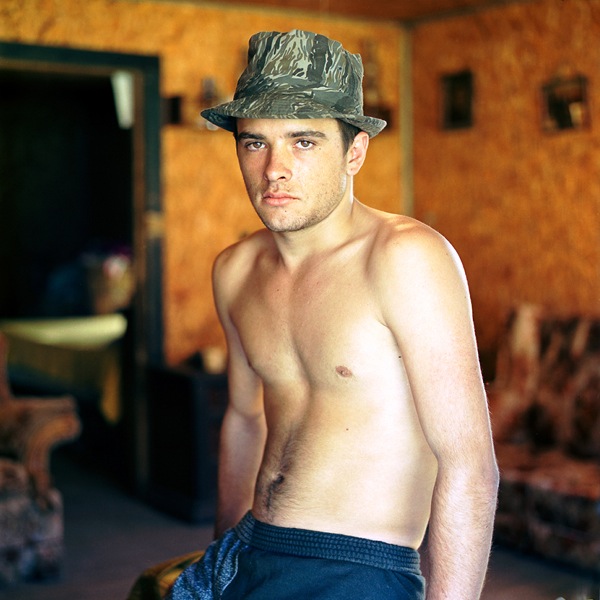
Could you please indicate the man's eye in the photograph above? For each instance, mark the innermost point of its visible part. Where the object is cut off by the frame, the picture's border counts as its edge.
(255, 145)
(305, 144)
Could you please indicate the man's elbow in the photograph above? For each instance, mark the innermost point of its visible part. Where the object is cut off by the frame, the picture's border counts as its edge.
(490, 479)
(483, 476)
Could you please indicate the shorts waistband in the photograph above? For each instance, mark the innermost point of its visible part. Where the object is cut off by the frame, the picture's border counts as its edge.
(332, 546)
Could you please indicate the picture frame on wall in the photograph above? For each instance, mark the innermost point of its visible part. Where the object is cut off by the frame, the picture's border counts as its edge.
(457, 100)
(565, 104)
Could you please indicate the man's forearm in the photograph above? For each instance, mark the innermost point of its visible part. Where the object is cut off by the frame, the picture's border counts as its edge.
(456, 554)
(240, 454)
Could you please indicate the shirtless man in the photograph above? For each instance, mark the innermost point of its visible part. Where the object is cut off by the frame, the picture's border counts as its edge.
(357, 419)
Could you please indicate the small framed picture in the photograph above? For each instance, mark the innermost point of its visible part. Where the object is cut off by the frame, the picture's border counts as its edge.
(457, 100)
(565, 104)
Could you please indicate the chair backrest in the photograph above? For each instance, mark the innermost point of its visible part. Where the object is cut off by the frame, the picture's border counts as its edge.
(30, 427)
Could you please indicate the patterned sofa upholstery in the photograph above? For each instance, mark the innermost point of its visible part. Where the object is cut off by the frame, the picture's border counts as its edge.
(545, 407)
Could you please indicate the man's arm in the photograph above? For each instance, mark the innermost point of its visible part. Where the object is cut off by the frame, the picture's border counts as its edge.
(243, 431)
(427, 306)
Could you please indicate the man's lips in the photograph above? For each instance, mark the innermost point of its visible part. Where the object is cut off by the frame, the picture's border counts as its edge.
(277, 199)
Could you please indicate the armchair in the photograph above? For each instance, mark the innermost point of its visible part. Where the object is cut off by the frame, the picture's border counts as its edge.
(31, 516)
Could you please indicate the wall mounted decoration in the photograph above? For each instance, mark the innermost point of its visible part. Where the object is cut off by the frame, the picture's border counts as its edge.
(565, 104)
(457, 100)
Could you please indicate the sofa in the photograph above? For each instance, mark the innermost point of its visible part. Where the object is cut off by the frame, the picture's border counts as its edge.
(545, 410)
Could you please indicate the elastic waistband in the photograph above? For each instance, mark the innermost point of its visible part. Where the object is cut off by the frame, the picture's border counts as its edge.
(332, 546)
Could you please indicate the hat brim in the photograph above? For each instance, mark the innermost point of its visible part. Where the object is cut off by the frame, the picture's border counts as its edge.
(276, 106)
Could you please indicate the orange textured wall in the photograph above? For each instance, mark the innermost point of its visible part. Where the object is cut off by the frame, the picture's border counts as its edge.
(204, 200)
(522, 206)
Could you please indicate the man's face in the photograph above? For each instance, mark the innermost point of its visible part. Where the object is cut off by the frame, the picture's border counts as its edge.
(295, 170)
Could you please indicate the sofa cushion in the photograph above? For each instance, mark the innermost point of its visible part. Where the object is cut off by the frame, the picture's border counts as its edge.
(548, 503)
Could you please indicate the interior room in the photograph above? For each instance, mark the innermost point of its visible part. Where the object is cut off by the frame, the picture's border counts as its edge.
(116, 197)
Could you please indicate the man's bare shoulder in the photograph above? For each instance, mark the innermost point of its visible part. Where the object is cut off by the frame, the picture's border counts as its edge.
(411, 261)
(418, 281)
(242, 255)
(401, 240)
(234, 265)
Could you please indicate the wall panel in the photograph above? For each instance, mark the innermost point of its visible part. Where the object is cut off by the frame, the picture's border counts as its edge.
(521, 205)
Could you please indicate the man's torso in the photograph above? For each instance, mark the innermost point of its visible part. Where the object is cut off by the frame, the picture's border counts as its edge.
(345, 452)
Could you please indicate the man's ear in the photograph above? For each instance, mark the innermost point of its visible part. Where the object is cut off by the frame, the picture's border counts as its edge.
(357, 153)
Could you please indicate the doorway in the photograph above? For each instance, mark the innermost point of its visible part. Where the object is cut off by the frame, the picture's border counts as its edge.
(80, 188)
(66, 168)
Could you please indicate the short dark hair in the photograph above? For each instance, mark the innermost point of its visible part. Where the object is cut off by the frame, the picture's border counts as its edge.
(349, 132)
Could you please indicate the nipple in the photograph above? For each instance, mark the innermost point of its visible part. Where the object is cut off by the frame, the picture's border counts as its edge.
(343, 371)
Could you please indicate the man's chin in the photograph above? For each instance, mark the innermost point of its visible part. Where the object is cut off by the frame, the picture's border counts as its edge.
(283, 228)
(281, 223)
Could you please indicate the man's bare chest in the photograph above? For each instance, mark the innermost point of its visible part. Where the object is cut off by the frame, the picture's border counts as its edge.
(321, 329)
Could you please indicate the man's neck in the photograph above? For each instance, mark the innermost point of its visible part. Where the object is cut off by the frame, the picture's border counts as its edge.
(297, 247)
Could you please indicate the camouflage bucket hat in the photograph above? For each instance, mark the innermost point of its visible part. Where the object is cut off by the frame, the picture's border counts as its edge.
(297, 75)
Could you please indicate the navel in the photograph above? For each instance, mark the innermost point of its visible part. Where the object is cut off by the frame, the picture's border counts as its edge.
(273, 489)
(343, 371)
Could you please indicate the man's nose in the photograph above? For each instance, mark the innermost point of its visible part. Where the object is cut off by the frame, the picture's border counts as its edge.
(279, 165)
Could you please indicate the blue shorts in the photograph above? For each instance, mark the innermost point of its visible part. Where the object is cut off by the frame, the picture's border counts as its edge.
(257, 561)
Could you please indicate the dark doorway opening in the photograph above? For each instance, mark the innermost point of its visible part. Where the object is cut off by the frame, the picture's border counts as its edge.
(66, 199)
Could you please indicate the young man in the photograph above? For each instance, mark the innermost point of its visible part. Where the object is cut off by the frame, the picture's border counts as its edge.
(357, 418)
